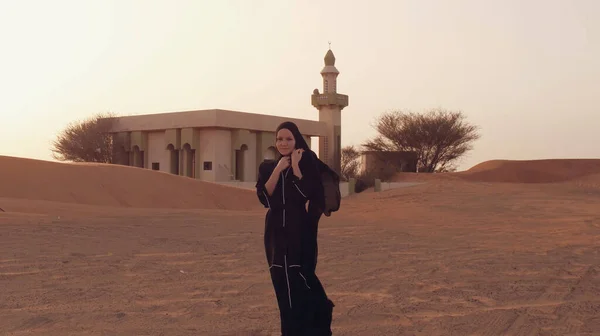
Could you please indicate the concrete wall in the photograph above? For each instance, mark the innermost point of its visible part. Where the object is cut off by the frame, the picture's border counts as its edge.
(223, 155)
(330, 145)
(215, 147)
(121, 148)
(264, 140)
(244, 142)
(139, 145)
(190, 162)
(195, 146)
(173, 137)
(344, 191)
(157, 151)
(213, 118)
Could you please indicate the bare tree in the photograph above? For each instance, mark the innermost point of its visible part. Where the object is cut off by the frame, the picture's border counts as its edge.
(350, 163)
(86, 141)
(438, 136)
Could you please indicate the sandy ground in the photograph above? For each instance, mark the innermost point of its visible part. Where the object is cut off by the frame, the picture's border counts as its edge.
(449, 257)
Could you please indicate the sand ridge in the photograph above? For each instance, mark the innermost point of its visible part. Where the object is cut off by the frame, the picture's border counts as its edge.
(113, 186)
(532, 171)
(517, 171)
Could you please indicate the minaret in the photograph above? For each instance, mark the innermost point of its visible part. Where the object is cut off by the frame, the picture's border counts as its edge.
(330, 105)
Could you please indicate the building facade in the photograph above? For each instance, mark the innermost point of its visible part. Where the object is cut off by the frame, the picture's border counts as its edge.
(220, 145)
(382, 162)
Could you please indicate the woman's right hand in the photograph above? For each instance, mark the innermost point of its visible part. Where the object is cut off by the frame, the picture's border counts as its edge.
(283, 163)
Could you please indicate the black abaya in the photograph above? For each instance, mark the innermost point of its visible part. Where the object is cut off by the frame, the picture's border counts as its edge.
(290, 239)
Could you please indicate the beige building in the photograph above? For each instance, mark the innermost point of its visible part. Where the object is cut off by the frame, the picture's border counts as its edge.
(222, 146)
(388, 161)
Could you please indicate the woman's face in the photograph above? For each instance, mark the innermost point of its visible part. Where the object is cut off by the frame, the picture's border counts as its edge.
(285, 142)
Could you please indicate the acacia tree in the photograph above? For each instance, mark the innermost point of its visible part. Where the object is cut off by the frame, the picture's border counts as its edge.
(349, 164)
(88, 140)
(438, 136)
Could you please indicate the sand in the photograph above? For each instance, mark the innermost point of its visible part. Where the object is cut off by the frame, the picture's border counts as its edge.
(113, 186)
(517, 171)
(453, 256)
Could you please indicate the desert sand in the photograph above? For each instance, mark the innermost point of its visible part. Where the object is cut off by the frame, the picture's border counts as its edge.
(505, 248)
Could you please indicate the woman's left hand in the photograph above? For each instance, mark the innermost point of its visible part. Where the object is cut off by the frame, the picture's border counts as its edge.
(297, 156)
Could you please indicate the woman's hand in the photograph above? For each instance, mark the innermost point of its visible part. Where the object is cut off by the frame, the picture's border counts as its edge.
(271, 183)
(283, 163)
(296, 156)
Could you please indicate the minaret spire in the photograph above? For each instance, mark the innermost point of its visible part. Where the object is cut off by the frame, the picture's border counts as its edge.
(330, 105)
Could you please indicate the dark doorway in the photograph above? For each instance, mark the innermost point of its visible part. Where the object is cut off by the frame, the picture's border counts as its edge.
(173, 160)
(240, 162)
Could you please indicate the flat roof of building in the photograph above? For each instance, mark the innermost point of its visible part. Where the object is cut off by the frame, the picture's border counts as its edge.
(214, 118)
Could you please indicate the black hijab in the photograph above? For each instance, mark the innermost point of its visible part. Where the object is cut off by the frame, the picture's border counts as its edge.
(309, 158)
(311, 164)
(300, 142)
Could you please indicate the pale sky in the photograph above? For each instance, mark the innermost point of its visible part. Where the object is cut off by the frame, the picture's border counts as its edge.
(525, 71)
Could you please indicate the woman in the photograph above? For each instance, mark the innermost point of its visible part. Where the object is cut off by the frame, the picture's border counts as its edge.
(284, 186)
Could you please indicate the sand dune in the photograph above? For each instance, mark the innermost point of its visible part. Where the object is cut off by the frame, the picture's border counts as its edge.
(459, 255)
(532, 171)
(590, 181)
(442, 258)
(111, 186)
(517, 171)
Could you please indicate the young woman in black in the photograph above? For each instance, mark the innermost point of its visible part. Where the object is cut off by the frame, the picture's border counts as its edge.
(284, 186)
